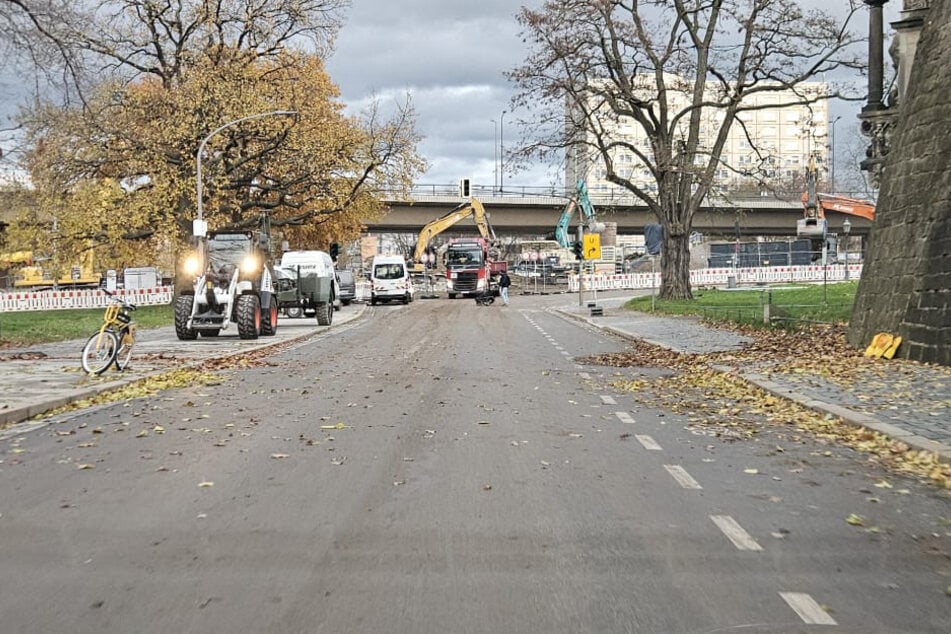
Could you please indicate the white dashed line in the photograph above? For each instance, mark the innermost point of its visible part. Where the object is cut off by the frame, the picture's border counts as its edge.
(735, 533)
(807, 608)
(648, 442)
(608, 400)
(624, 417)
(682, 477)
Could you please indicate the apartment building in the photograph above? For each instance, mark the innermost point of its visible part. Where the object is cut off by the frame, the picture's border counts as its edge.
(785, 135)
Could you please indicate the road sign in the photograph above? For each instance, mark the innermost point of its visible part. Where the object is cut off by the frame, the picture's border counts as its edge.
(592, 246)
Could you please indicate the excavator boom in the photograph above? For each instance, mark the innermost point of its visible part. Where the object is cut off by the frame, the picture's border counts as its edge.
(587, 210)
(472, 208)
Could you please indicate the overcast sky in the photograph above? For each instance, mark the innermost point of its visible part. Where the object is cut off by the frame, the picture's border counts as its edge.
(451, 56)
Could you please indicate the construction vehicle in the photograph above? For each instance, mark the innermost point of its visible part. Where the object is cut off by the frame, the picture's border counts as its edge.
(472, 208)
(581, 201)
(234, 288)
(814, 225)
(29, 274)
(307, 285)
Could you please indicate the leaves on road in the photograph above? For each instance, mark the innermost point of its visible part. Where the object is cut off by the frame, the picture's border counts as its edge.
(709, 390)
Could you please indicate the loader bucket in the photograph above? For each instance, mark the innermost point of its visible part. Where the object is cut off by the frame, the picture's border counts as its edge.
(811, 228)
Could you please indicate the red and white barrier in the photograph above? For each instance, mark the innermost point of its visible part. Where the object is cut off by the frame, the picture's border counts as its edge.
(721, 277)
(93, 298)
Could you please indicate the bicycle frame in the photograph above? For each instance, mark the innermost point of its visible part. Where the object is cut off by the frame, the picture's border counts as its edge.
(113, 342)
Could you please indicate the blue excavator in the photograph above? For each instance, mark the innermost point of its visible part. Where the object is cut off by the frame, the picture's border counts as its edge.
(580, 200)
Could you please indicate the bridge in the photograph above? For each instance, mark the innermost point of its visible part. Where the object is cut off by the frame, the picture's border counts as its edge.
(535, 211)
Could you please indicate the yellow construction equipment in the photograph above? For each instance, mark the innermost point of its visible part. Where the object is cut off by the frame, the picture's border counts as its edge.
(29, 274)
(473, 208)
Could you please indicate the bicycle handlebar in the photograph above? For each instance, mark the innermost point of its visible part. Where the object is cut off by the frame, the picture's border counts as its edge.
(121, 301)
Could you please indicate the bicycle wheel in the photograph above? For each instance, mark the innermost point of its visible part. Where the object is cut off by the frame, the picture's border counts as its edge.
(99, 352)
(126, 343)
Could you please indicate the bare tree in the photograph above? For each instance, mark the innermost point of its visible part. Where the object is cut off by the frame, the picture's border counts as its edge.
(679, 70)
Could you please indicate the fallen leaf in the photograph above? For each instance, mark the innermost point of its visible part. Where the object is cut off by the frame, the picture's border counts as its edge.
(278, 456)
(855, 520)
(205, 484)
(86, 466)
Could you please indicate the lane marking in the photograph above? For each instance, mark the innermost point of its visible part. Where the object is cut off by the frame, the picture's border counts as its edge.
(624, 417)
(807, 608)
(608, 400)
(682, 477)
(648, 442)
(735, 533)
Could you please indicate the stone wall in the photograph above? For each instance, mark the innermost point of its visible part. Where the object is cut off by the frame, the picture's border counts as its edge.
(906, 284)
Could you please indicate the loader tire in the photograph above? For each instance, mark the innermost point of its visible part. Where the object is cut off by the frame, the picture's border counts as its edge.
(249, 316)
(183, 311)
(269, 323)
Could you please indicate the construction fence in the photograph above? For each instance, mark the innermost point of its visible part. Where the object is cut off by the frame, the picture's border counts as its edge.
(89, 298)
(726, 277)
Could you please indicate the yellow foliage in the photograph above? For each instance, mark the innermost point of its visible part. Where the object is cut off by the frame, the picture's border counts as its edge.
(125, 165)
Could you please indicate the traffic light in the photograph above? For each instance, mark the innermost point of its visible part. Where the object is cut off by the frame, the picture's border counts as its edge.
(578, 249)
(334, 251)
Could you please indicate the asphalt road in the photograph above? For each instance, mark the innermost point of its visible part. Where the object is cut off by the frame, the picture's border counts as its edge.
(442, 467)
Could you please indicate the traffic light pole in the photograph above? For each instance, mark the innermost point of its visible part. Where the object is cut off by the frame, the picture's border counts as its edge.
(581, 266)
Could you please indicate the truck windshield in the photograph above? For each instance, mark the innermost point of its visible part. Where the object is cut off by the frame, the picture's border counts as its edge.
(469, 256)
(227, 250)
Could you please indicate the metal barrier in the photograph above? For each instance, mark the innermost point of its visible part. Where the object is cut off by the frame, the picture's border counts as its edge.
(95, 298)
(721, 277)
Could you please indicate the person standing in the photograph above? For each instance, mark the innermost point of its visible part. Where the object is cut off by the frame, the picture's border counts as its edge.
(504, 283)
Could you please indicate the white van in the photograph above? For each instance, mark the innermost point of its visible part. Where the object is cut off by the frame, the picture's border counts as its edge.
(389, 279)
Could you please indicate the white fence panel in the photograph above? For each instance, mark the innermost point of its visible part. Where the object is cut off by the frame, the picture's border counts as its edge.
(65, 300)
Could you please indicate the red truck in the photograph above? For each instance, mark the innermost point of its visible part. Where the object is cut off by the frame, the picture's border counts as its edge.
(472, 268)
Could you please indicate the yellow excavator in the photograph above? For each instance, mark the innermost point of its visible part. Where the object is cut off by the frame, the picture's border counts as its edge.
(472, 208)
(29, 274)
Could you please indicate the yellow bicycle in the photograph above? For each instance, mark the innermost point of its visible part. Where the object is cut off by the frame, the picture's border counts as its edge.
(114, 341)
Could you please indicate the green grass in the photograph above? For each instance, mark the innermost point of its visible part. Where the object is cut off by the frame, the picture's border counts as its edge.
(830, 303)
(27, 328)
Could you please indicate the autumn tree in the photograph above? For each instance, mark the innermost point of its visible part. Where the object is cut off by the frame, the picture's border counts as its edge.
(176, 71)
(681, 71)
(317, 174)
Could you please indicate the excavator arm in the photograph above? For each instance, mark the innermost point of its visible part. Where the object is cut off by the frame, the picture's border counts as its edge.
(813, 224)
(587, 210)
(473, 208)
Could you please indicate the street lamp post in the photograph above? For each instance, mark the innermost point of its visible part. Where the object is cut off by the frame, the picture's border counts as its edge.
(832, 152)
(846, 228)
(502, 152)
(201, 149)
(495, 155)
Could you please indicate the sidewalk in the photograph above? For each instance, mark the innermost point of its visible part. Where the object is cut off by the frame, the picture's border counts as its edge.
(46, 376)
(905, 401)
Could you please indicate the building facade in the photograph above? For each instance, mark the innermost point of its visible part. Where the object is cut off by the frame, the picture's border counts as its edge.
(773, 143)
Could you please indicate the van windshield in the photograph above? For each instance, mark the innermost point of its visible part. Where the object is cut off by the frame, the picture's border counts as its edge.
(388, 271)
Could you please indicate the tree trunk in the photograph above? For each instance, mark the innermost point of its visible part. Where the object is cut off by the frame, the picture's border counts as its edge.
(675, 267)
